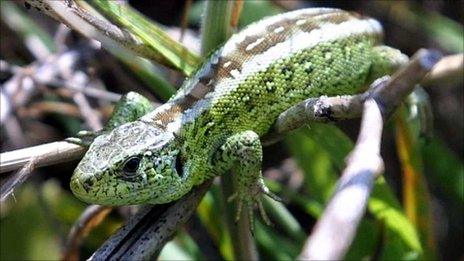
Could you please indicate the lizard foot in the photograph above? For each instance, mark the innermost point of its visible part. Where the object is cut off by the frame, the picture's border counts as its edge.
(247, 198)
(84, 138)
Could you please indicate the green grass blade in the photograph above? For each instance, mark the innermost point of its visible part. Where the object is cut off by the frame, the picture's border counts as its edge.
(400, 235)
(19, 21)
(175, 54)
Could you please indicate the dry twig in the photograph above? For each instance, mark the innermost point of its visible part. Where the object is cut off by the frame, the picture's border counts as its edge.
(145, 234)
(70, 14)
(44, 155)
(21, 176)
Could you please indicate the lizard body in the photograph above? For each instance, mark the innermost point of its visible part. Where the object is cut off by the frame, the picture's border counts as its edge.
(214, 122)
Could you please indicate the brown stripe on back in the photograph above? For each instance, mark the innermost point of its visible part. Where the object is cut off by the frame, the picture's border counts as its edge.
(165, 117)
(211, 73)
(269, 39)
(226, 65)
(177, 108)
(333, 18)
(270, 36)
(249, 39)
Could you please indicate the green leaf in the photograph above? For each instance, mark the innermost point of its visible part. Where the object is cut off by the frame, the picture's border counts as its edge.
(25, 231)
(215, 29)
(444, 169)
(366, 241)
(20, 22)
(319, 174)
(210, 211)
(273, 246)
(416, 199)
(256, 10)
(402, 239)
(252, 11)
(173, 251)
(320, 151)
(445, 31)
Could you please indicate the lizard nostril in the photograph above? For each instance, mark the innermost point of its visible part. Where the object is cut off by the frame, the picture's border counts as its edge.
(87, 184)
(78, 186)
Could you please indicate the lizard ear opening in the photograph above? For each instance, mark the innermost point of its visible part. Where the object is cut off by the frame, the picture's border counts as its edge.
(179, 166)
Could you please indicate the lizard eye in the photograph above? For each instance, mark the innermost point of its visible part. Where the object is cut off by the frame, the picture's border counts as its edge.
(131, 166)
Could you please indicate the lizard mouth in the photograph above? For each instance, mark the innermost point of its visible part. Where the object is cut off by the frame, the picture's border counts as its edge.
(82, 192)
(82, 189)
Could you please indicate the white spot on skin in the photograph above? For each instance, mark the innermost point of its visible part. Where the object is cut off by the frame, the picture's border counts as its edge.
(279, 29)
(235, 73)
(214, 59)
(227, 64)
(301, 22)
(254, 44)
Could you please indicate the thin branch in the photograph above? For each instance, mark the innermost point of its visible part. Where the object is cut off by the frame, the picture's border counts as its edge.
(145, 234)
(43, 155)
(92, 216)
(90, 115)
(38, 109)
(322, 109)
(337, 226)
(21, 176)
(335, 230)
(89, 90)
(70, 14)
(403, 82)
(448, 71)
(329, 109)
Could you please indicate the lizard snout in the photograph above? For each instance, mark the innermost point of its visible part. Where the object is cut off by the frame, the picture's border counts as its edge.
(80, 187)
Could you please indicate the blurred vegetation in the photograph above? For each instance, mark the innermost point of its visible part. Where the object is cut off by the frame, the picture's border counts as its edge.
(415, 211)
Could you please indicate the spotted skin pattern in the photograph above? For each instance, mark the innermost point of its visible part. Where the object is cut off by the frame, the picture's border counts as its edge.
(213, 123)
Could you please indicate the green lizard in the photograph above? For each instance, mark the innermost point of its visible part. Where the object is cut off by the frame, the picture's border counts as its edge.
(214, 122)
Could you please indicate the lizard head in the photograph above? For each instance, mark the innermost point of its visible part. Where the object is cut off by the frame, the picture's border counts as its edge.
(134, 163)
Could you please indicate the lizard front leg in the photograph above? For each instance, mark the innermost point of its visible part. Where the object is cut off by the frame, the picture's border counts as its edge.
(129, 108)
(242, 154)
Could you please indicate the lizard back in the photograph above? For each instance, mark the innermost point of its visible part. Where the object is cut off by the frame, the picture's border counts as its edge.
(271, 65)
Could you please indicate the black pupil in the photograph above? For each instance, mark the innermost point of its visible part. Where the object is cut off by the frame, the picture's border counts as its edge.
(131, 165)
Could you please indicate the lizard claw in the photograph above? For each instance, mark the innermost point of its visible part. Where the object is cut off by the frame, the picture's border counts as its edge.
(78, 141)
(265, 190)
(84, 138)
(248, 198)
